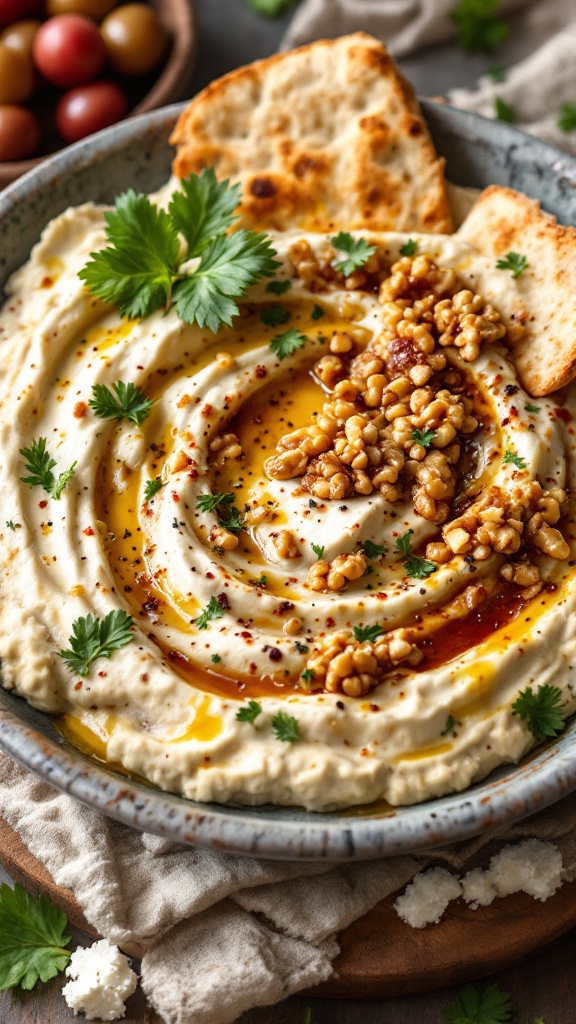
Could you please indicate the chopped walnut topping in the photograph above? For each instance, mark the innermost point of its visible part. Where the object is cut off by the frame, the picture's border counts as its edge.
(340, 663)
(326, 576)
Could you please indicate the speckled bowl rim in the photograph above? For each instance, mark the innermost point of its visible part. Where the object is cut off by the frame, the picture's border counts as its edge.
(511, 792)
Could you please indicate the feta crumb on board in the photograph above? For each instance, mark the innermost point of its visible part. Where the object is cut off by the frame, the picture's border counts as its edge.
(532, 866)
(102, 980)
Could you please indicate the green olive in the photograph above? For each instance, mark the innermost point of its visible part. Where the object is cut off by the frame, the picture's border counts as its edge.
(20, 36)
(17, 78)
(95, 9)
(135, 39)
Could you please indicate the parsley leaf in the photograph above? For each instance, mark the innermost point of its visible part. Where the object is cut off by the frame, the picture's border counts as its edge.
(542, 711)
(286, 344)
(423, 437)
(249, 712)
(318, 550)
(357, 251)
(372, 550)
(210, 502)
(275, 315)
(503, 111)
(216, 659)
(39, 465)
(130, 403)
(317, 313)
(135, 272)
(278, 287)
(450, 726)
(478, 27)
(213, 610)
(203, 209)
(97, 638)
(32, 939)
(492, 1006)
(514, 262)
(497, 74)
(409, 248)
(232, 519)
(270, 8)
(12, 526)
(416, 567)
(532, 408)
(307, 677)
(285, 727)
(152, 487)
(368, 634)
(517, 460)
(567, 117)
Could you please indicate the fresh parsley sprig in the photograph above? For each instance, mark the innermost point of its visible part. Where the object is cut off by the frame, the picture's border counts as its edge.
(210, 502)
(286, 727)
(492, 1006)
(249, 712)
(145, 267)
(356, 251)
(151, 487)
(284, 345)
(415, 566)
(213, 610)
(32, 939)
(423, 437)
(542, 711)
(97, 638)
(567, 117)
(367, 634)
(511, 457)
(39, 466)
(223, 504)
(503, 111)
(409, 248)
(318, 550)
(513, 262)
(479, 30)
(124, 401)
(372, 550)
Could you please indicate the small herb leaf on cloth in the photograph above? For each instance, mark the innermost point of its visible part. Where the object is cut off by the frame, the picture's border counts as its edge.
(567, 117)
(249, 712)
(127, 402)
(478, 27)
(285, 727)
(97, 638)
(542, 711)
(503, 111)
(32, 939)
(286, 344)
(39, 466)
(514, 262)
(271, 8)
(357, 252)
(492, 1006)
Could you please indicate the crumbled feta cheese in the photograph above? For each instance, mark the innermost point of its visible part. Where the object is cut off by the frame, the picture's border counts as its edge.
(478, 889)
(102, 980)
(426, 898)
(532, 866)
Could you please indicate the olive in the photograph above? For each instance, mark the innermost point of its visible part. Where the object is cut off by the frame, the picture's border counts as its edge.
(68, 50)
(20, 36)
(19, 132)
(135, 39)
(17, 77)
(89, 108)
(95, 9)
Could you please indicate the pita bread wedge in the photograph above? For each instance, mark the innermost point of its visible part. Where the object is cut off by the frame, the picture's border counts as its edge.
(323, 138)
(544, 295)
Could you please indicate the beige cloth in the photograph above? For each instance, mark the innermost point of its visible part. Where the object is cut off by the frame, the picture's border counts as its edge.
(540, 53)
(223, 934)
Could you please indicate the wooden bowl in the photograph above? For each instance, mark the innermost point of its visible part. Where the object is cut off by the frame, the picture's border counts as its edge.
(171, 84)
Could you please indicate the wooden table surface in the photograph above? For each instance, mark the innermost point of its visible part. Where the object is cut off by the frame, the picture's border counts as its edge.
(543, 985)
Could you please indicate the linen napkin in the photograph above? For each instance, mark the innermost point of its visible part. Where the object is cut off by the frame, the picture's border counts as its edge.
(222, 934)
(540, 53)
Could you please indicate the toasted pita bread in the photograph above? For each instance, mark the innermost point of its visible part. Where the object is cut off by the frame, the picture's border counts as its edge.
(504, 221)
(326, 137)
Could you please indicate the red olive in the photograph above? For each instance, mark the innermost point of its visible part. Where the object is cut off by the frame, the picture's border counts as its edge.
(89, 108)
(19, 133)
(69, 50)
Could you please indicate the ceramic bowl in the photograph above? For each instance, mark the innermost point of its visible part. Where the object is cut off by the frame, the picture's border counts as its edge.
(136, 153)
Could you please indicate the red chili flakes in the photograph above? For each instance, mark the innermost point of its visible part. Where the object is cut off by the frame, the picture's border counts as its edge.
(261, 372)
(223, 601)
(175, 496)
(283, 607)
(80, 410)
(89, 531)
(246, 634)
(47, 282)
(42, 504)
(563, 414)
(330, 622)
(78, 685)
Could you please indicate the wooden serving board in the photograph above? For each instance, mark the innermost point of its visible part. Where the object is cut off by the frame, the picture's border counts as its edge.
(380, 954)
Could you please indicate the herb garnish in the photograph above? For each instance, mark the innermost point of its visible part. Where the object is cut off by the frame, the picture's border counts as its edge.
(511, 457)
(300, 647)
(478, 27)
(503, 111)
(317, 313)
(372, 550)
(223, 504)
(318, 550)
(152, 487)
(270, 8)
(130, 403)
(492, 1006)
(97, 638)
(278, 287)
(210, 502)
(450, 726)
(357, 251)
(284, 345)
(213, 610)
(567, 117)
(32, 939)
(423, 437)
(249, 712)
(216, 659)
(514, 262)
(532, 408)
(275, 315)
(409, 247)
(416, 567)
(307, 675)
(542, 711)
(39, 465)
(285, 727)
(367, 634)
(143, 268)
(497, 74)
(12, 526)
